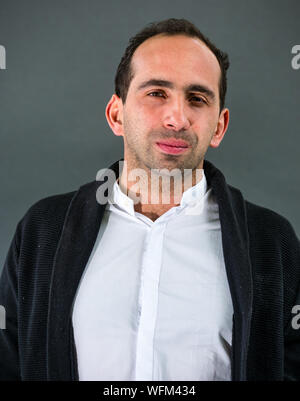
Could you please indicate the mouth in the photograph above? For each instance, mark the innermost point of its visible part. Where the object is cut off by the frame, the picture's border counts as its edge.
(173, 147)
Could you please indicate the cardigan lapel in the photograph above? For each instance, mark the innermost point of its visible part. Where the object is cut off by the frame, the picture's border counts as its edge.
(77, 239)
(235, 241)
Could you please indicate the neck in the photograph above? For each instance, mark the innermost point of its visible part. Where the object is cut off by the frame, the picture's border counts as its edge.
(155, 193)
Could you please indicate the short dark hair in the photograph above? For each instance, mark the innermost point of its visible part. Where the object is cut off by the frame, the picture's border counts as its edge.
(169, 27)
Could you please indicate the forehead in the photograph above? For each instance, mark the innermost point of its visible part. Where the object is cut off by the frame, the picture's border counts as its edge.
(177, 58)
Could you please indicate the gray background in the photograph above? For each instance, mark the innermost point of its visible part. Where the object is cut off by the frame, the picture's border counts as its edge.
(61, 61)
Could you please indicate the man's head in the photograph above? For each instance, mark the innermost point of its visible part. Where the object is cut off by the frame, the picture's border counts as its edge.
(170, 85)
(168, 27)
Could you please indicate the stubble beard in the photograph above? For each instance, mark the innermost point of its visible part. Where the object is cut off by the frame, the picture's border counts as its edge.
(145, 156)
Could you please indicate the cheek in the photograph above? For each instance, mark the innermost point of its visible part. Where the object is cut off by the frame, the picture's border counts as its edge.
(151, 110)
(148, 118)
(149, 107)
(205, 122)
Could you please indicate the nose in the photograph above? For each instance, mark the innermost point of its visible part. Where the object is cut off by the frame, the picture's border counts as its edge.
(176, 117)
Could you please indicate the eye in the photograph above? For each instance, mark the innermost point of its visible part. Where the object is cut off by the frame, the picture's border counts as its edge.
(195, 99)
(155, 93)
(198, 99)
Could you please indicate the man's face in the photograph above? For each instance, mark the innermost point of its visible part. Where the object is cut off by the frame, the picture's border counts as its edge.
(173, 96)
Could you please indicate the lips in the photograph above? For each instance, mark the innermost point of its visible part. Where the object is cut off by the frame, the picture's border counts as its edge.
(174, 142)
(172, 146)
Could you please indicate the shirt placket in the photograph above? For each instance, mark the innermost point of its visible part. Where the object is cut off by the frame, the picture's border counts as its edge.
(148, 300)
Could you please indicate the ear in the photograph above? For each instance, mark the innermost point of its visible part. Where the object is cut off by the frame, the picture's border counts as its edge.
(220, 129)
(114, 115)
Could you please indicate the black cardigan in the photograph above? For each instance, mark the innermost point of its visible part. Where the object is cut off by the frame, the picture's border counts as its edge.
(52, 245)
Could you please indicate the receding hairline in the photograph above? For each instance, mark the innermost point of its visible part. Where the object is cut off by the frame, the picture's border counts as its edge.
(167, 35)
(171, 35)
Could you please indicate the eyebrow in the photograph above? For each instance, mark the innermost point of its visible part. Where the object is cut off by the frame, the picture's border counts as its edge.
(167, 84)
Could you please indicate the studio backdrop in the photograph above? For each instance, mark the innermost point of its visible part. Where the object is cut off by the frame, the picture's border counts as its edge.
(58, 60)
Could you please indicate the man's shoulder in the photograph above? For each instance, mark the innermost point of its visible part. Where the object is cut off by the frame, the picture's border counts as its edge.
(50, 205)
(259, 214)
(51, 211)
(266, 216)
(60, 201)
(267, 222)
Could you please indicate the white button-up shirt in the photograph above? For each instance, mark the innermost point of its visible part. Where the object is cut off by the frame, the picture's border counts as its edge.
(154, 302)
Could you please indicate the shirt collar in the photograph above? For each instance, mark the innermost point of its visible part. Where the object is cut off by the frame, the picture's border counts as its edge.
(195, 193)
(190, 197)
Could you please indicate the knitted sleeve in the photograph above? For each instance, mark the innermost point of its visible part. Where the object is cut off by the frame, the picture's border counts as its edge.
(9, 350)
(291, 259)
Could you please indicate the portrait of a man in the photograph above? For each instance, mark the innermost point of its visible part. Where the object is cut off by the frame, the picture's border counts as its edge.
(159, 269)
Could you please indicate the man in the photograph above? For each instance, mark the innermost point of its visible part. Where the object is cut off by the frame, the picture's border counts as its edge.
(114, 282)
